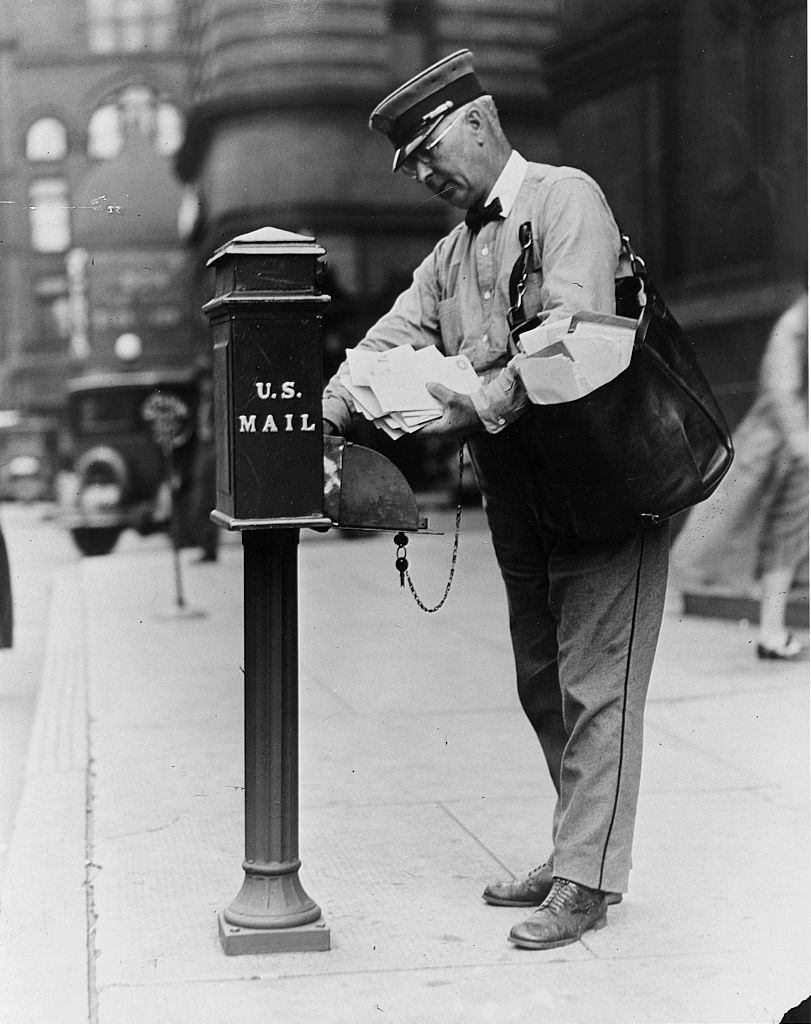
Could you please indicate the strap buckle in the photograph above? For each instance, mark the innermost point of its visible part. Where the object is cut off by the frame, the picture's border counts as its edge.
(638, 269)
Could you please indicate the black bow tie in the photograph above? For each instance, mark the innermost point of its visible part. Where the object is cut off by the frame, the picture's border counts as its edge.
(479, 214)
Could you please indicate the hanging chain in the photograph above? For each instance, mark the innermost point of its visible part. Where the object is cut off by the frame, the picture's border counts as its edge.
(401, 540)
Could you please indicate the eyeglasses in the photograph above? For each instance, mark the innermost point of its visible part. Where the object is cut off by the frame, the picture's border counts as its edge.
(422, 154)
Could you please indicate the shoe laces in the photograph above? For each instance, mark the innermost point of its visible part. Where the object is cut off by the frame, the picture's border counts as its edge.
(568, 895)
(558, 894)
(540, 867)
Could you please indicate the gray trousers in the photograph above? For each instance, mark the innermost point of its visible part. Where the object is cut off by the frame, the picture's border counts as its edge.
(584, 622)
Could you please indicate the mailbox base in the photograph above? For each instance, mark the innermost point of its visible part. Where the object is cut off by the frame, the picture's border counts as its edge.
(305, 938)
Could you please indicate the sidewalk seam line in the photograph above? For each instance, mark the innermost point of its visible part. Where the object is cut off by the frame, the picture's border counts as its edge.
(474, 837)
(90, 866)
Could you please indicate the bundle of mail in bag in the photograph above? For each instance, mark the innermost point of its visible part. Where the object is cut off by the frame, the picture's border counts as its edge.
(388, 387)
(569, 358)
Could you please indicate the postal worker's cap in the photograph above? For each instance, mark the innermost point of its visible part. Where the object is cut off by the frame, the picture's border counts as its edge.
(407, 115)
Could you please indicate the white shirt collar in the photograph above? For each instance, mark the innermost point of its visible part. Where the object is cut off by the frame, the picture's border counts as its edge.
(509, 182)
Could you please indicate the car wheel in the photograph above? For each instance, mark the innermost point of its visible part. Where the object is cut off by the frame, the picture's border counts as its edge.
(95, 541)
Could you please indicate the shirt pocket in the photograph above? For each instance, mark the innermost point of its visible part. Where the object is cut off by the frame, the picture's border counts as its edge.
(450, 325)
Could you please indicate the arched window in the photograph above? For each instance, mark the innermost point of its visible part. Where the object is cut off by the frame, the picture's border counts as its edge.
(105, 139)
(170, 129)
(49, 215)
(135, 112)
(46, 139)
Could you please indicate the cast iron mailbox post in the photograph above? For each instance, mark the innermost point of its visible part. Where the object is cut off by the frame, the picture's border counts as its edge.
(276, 473)
(266, 320)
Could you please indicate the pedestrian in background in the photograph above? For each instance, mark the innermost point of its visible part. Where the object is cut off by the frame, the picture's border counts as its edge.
(753, 532)
(204, 470)
(584, 616)
(6, 607)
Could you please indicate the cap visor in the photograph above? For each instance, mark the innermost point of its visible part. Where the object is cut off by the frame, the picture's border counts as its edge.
(405, 151)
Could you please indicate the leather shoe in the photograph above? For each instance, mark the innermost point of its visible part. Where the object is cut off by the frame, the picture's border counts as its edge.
(569, 910)
(530, 891)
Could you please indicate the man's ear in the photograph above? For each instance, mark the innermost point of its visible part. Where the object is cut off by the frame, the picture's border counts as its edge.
(475, 118)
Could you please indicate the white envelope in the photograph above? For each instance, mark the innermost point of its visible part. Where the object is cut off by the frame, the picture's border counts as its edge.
(364, 399)
(359, 360)
(456, 373)
(429, 356)
(398, 382)
(550, 380)
(546, 334)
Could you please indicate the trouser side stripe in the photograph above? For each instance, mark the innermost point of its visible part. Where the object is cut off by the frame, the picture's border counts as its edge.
(624, 707)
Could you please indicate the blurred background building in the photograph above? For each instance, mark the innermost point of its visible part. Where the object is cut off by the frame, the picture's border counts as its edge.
(93, 274)
(278, 103)
(138, 135)
(693, 117)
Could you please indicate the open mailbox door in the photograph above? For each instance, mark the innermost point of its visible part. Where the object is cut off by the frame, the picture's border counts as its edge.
(364, 491)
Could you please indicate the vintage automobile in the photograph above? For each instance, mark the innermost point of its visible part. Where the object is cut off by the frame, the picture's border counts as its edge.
(27, 456)
(129, 445)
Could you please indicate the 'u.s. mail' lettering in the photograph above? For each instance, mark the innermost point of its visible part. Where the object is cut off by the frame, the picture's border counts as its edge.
(289, 422)
(265, 390)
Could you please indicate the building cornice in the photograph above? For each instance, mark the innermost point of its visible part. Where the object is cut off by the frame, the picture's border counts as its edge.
(33, 60)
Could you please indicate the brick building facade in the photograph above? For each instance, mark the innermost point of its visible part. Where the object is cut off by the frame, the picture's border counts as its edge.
(90, 118)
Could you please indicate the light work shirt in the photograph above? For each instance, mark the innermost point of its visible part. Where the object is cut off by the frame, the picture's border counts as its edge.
(459, 295)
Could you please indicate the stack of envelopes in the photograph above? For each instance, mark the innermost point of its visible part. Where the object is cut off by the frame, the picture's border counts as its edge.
(569, 358)
(388, 387)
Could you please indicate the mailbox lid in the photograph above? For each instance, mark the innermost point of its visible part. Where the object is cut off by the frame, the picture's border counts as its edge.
(269, 241)
(266, 260)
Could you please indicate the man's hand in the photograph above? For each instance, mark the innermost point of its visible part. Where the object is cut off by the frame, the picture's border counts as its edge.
(459, 418)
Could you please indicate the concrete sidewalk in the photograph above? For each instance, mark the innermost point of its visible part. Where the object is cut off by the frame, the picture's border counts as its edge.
(419, 782)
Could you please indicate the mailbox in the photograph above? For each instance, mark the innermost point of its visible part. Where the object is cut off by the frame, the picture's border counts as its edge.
(276, 473)
(274, 467)
(266, 320)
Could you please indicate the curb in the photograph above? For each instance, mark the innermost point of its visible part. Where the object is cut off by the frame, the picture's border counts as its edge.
(43, 920)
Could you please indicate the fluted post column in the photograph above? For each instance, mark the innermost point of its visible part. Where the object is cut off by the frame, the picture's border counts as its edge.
(271, 912)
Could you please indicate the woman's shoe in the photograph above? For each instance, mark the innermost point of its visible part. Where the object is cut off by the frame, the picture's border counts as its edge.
(789, 650)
